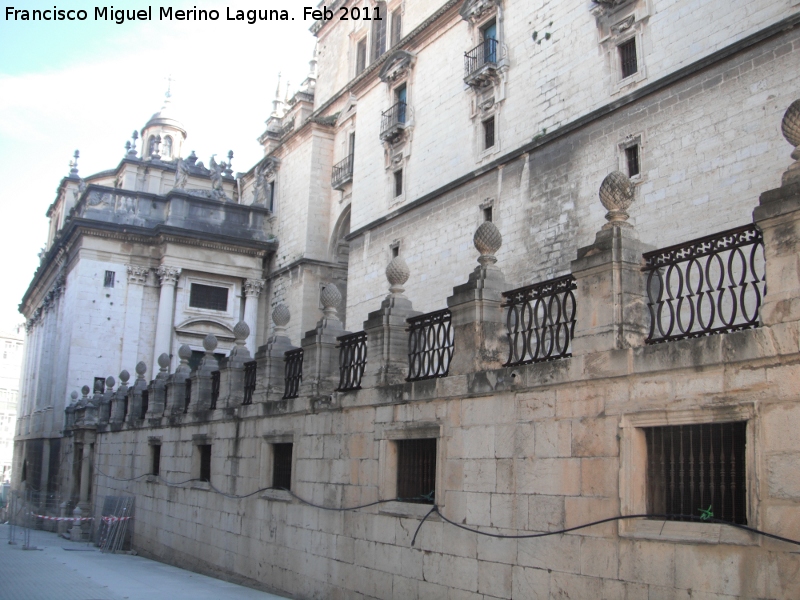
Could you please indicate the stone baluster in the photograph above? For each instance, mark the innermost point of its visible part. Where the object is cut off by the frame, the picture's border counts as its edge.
(176, 383)
(321, 358)
(387, 338)
(156, 401)
(778, 218)
(270, 357)
(611, 297)
(476, 315)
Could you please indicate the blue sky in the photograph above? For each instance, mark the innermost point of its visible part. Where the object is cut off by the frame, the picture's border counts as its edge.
(87, 85)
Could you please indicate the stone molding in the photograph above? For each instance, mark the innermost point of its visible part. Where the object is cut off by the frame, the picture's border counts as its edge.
(254, 287)
(475, 10)
(168, 275)
(137, 274)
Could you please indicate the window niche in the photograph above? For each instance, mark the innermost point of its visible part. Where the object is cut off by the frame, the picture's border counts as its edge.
(630, 157)
(201, 461)
(623, 27)
(278, 466)
(397, 122)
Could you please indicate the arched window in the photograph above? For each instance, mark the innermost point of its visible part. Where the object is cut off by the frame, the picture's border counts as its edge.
(151, 145)
(166, 150)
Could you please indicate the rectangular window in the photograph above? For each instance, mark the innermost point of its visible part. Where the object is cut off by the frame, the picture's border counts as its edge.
(208, 296)
(398, 183)
(632, 158)
(627, 56)
(416, 470)
(697, 470)
(397, 27)
(205, 462)
(155, 459)
(379, 32)
(282, 466)
(488, 133)
(361, 56)
(271, 196)
(109, 279)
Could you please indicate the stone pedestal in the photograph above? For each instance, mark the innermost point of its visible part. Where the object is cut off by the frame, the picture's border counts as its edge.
(135, 394)
(321, 358)
(231, 381)
(201, 378)
(175, 396)
(271, 358)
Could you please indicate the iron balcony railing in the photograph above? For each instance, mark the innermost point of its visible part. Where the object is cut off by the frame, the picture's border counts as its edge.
(713, 284)
(540, 321)
(250, 371)
(430, 345)
(393, 120)
(481, 55)
(214, 389)
(342, 173)
(352, 360)
(293, 373)
(187, 395)
(145, 403)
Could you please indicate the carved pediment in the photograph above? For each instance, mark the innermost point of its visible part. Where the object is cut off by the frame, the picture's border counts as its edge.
(200, 328)
(397, 66)
(474, 10)
(270, 166)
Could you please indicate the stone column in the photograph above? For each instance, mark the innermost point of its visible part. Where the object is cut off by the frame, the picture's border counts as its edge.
(321, 359)
(137, 278)
(86, 476)
(778, 217)
(252, 290)
(270, 357)
(611, 296)
(476, 314)
(166, 306)
(387, 338)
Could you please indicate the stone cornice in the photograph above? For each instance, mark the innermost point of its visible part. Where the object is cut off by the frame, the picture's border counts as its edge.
(305, 261)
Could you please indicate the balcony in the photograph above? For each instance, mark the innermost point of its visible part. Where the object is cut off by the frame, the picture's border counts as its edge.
(481, 64)
(342, 173)
(393, 122)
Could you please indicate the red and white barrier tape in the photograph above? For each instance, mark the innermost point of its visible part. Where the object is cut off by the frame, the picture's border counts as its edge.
(46, 518)
(115, 519)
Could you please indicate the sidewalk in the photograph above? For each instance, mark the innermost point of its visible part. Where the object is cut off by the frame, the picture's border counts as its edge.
(78, 571)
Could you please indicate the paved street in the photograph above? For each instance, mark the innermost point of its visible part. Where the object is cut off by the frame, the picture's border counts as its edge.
(77, 571)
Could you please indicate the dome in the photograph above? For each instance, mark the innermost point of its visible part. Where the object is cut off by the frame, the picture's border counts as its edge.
(166, 117)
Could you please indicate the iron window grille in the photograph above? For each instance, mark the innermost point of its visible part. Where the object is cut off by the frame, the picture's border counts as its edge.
(481, 55)
(430, 345)
(205, 462)
(208, 296)
(416, 471)
(155, 468)
(352, 360)
(540, 322)
(342, 172)
(145, 403)
(398, 183)
(125, 404)
(714, 284)
(627, 57)
(250, 372)
(293, 373)
(214, 389)
(488, 133)
(108, 281)
(632, 158)
(187, 395)
(282, 466)
(696, 472)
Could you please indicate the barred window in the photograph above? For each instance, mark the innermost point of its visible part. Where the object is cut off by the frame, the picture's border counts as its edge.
(697, 471)
(416, 470)
(627, 56)
(108, 281)
(632, 158)
(488, 133)
(155, 459)
(205, 461)
(208, 296)
(282, 466)
(398, 183)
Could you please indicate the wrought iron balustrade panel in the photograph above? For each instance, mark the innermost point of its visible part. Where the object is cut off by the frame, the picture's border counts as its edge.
(214, 389)
(540, 321)
(352, 360)
(187, 395)
(145, 403)
(342, 172)
(484, 53)
(394, 117)
(293, 373)
(430, 345)
(710, 285)
(250, 372)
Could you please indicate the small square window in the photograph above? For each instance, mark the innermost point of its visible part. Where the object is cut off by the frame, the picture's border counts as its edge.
(282, 466)
(488, 133)
(208, 296)
(155, 459)
(398, 183)
(632, 158)
(361, 56)
(205, 462)
(416, 470)
(487, 213)
(697, 470)
(108, 281)
(627, 56)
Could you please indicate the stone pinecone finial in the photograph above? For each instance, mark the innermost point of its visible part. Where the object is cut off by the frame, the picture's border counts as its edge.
(85, 390)
(141, 369)
(124, 376)
(241, 331)
(397, 273)
(790, 127)
(210, 343)
(280, 317)
(331, 298)
(110, 382)
(487, 241)
(163, 361)
(74, 396)
(616, 195)
(184, 352)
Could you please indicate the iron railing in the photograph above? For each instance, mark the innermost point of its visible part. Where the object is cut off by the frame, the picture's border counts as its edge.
(430, 345)
(342, 172)
(250, 371)
(540, 321)
(145, 403)
(714, 284)
(393, 119)
(187, 395)
(293, 372)
(352, 360)
(282, 466)
(481, 55)
(416, 470)
(214, 389)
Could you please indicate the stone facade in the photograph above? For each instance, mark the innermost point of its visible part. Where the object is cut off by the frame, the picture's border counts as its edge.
(478, 127)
